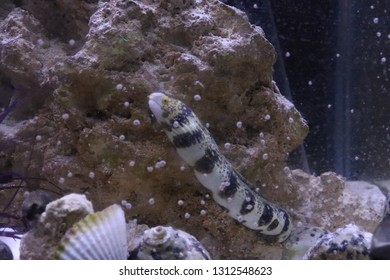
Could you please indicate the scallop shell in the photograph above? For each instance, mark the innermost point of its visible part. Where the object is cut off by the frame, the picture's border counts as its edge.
(98, 236)
(167, 243)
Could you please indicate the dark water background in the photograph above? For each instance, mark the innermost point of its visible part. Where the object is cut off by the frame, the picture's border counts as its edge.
(333, 63)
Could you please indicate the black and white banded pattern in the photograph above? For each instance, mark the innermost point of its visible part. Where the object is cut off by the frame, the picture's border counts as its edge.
(229, 188)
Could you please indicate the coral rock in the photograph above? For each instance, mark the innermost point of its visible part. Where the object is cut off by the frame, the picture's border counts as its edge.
(42, 241)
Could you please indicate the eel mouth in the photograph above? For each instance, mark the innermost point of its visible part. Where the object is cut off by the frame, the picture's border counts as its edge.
(155, 104)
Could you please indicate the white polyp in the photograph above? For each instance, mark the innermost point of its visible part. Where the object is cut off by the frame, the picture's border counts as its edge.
(119, 87)
(267, 117)
(160, 164)
(70, 174)
(202, 202)
(261, 135)
(197, 97)
(121, 137)
(290, 120)
(91, 175)
(203, 212)
(227, 146)
(182, 168)
(239, 124)
(265, 156)
(38, 138)
(40, 42)
(180, 202)
(150, 168)
(136, 122)
(72, 42)
(128, 205)
(127, 104)
(240, 219)
(187, 215)
(131, 163)
(65, 116)
(61, 180)
(151, 201)
(175, 124)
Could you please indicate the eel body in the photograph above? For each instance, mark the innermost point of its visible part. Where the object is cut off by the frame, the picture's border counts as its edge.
(229, 188)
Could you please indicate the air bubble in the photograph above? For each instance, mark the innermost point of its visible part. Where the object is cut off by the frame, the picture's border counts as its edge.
(287, 54)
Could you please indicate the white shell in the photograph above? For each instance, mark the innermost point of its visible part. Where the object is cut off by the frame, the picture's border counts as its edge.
(167, 243)
(99, 236)
(301, 240)
(346, 243)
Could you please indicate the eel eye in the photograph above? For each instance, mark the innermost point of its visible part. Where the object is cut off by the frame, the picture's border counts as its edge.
(165, 100)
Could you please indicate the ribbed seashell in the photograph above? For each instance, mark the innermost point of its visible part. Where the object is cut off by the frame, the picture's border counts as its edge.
(167, 243)
(99, 236)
